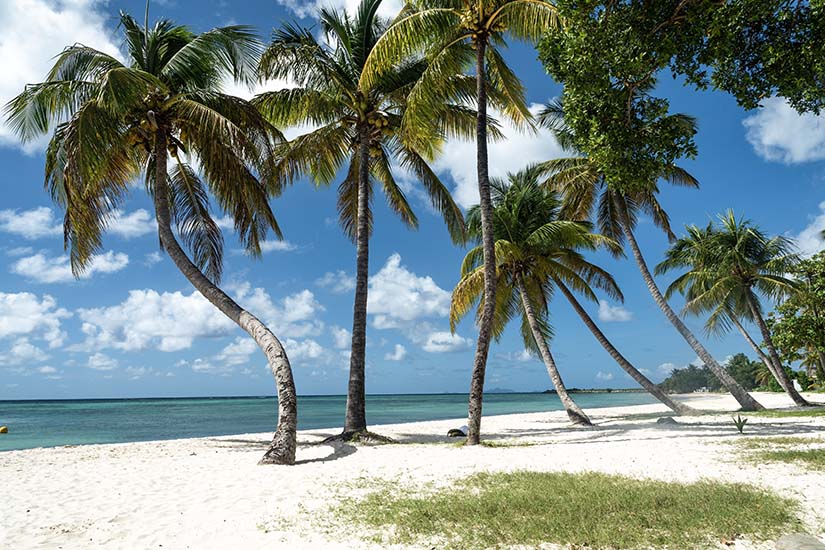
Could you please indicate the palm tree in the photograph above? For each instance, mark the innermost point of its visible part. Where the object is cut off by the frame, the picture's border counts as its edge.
(728, 266)
(357, 126)
(459, 34)
(115, 121)
(616, 209)
(535, 252)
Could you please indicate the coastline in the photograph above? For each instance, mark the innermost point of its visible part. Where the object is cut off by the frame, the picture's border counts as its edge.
(209, 492)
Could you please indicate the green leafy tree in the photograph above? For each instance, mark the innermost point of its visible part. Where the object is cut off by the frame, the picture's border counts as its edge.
(463, 35)
(535, 253)
(358, 127)
(798, 324)
(729, 265)
(115, 122)
(616, 209)
(743, 370)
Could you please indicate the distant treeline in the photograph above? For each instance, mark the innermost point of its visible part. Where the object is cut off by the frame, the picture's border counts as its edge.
(751, 375)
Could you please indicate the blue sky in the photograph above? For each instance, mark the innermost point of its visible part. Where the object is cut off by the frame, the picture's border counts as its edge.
(134, 327)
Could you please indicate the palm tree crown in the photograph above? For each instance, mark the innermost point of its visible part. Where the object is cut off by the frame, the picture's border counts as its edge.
(729, 265)
(532, 244)
(329, 99)
(106, 113)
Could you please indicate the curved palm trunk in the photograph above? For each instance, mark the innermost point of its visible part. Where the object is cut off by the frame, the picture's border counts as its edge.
(284, 442)
(574, 412)
(485, 326)
(356, 417)
(745, 399)
(746, 335)
(778, 372)
(634, 373)
(820, 370)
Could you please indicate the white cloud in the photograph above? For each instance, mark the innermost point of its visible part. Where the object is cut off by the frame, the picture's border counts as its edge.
(22, 352)
(522, 356)
(101, 361)
(26, 314)
(275, 245)
(47, 370)
(510, 154)
(398, 297)
(667, 368)
(43, 269)
(446, 342)
(135, 224)
(239, 351)
(398, 353)
(604, 376)
(809, 240)
(613, 314)
(152, 258)
(341, 337)
(778, 133)
(30, 224)
(33, 31)
(171, 321)
(299, 351)
(309, 8)
(339, 282)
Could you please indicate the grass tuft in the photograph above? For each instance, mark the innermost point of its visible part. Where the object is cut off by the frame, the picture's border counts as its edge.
(790, 413)
(813, 459)
(591, 510)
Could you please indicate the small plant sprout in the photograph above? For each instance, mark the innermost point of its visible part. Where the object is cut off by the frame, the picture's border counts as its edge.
(740, 422)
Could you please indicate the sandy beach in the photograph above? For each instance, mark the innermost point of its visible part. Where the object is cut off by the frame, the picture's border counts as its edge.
(209, 492)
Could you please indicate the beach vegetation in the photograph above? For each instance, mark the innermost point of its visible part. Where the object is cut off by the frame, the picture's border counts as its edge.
(357, 127)
(469, 36)
(154, 118)
(729, 264)
(536, 251)
(590, 510)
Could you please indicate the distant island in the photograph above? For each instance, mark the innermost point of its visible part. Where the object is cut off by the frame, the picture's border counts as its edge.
(599, 390)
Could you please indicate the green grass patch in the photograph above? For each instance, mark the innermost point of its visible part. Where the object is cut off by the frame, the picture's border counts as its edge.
(496, 444)
(777, 413)
(589, 510)
(813, 459)
(779, 441)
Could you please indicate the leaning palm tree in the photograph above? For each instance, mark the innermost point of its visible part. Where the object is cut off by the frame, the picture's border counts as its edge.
(535, 252)
(358, 127)
(616, 209)
(460, 34)
(728, 266)
(114, 121)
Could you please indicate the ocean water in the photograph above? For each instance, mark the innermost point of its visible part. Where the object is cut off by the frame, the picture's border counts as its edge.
(77, 422)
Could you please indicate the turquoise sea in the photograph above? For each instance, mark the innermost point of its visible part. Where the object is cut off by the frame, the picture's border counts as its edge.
(77, 422)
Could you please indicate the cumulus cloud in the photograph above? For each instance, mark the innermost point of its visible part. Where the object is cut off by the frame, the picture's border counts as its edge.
(22, 352)
(809, 240)
(101, 361)
(522, 356)
(31, 224)
(398, 353)
(238, 352)
(613, 314)
(43, 269)
(398, 297)
(339, 282)
(171, 321)
(26, 314)
(446, 342)
(510, 154)
(341, 337)
(275, 245)
(33, 32)
(131, 225)
(604, 376)
(779, 134)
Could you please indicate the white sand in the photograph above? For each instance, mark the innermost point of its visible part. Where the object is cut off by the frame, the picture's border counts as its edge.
(209, 492)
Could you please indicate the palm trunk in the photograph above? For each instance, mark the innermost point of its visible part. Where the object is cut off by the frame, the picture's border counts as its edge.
(778, 372)
(752, 343)
(485, 325)
(746, 400)
(356, 417)
(821, 368)
(574, 412)
(284, 442)
(634, 373)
